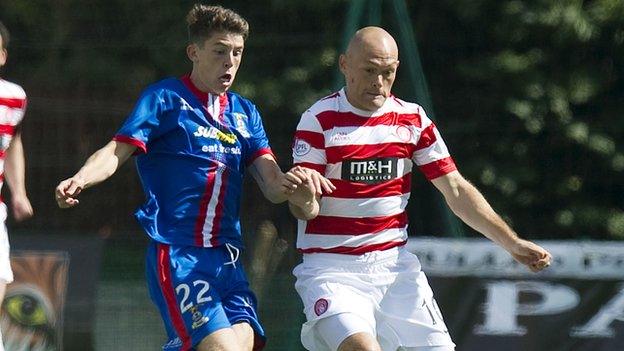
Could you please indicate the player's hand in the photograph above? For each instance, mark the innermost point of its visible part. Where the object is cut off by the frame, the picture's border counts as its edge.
(531, 255)
(293, 179)
(321, 184)
(67, 191)
(304, 192)
(22, 209)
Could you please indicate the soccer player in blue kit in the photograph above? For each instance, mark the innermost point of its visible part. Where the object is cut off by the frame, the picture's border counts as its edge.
(194, 140)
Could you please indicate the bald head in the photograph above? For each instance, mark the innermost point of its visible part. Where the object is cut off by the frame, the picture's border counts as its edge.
(369, 66)
(373, 40)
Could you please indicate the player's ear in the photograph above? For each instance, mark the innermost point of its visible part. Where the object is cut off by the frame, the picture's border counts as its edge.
(342, 63)
(191, 51)
(3, 57)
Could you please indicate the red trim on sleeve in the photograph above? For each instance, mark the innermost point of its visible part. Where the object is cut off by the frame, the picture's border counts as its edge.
(263, 151)
(438, 168)
(141, 148)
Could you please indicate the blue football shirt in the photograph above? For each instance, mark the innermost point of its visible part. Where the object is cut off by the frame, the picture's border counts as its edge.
(193, 149)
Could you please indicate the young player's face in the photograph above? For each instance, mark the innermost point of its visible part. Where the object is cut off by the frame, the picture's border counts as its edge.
(216, 61)
(369, 76)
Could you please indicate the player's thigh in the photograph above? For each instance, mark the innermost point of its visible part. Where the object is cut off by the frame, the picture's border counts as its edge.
(347, 331)
(185, 295)
(360, 342)
(221, 340)
(245, 335)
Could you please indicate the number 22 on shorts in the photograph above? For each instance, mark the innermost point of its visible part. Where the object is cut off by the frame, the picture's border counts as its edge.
(201, 297)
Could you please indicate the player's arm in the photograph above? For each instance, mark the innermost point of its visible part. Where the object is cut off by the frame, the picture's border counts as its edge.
(470, 205)
(98, 167)
(15, 173)
(272, 181)
(304, 202)
(278, 187)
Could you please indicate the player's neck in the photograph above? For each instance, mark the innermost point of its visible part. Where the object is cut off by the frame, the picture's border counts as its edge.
(197, 82)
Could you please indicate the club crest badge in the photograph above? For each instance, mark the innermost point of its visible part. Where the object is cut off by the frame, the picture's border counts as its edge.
(404, 133)
(320, 306)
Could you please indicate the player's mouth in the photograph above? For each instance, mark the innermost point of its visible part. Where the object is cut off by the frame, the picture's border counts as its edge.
(375, 94)
(226, 78)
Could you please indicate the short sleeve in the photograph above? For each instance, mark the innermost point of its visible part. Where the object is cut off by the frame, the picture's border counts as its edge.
(143, 123)
(258, 141)
(431, 154)
(309, 144)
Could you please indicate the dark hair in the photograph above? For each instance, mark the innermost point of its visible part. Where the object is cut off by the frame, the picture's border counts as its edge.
(204, 20)
(4, 33)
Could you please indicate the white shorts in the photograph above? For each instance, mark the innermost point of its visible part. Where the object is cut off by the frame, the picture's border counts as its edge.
(6, 274)
(386, 289)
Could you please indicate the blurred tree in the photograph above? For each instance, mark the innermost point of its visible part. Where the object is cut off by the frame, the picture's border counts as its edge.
(530, 94)
(527, 93)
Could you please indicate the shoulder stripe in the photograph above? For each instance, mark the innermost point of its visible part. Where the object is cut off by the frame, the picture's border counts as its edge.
(331, 119)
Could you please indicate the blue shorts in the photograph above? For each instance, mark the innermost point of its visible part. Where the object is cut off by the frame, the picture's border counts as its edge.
(199, 291)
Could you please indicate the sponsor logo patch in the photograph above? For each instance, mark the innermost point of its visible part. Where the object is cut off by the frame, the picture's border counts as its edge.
(370, 171)
(214, 133)
(340, 138)
(320, 306)
(301, 147)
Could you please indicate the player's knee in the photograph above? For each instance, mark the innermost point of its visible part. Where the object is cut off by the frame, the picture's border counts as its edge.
(359, 342)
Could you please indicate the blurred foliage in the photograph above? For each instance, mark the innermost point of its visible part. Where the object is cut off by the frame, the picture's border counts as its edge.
(528, 94)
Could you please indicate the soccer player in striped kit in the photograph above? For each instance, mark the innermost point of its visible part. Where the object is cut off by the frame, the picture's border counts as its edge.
(360, 287)
(194, 140)
(12, 164)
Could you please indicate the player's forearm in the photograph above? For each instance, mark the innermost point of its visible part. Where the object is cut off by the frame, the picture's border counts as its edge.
(274, 192)
(15, 168)
(470, 205)
(103, 163)
(306, 211)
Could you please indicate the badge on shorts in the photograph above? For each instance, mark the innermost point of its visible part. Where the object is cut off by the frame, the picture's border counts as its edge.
(320, 306)
(198, 318)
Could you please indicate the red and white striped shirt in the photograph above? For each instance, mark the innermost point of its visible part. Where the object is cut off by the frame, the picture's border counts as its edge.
(12, 108)
(368, 156)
